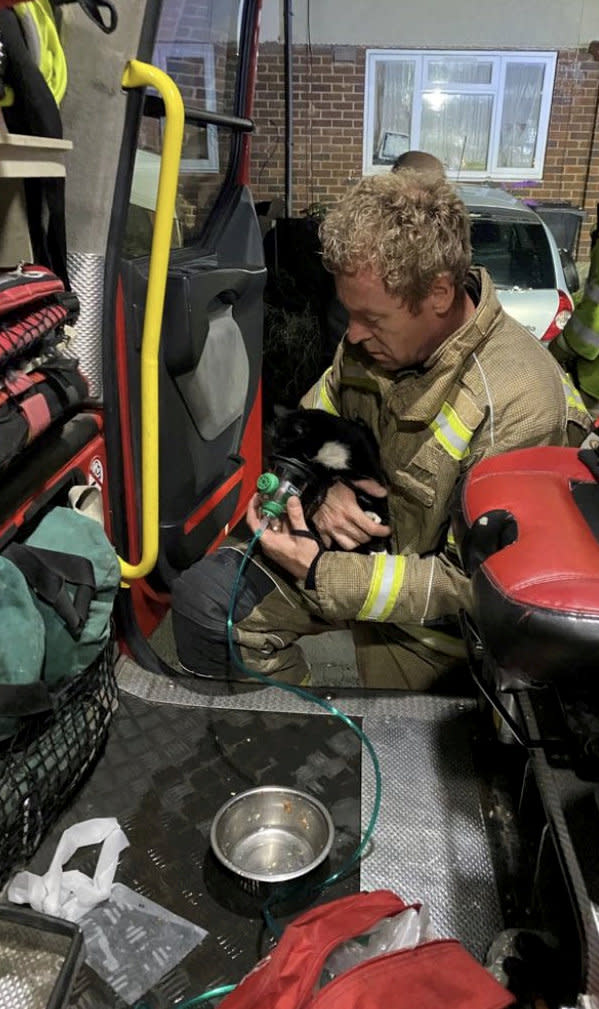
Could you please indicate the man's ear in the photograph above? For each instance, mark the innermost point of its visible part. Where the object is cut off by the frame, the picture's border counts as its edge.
(442, 293)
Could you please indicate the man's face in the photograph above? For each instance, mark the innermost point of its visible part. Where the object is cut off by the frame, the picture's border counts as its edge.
(389, 332)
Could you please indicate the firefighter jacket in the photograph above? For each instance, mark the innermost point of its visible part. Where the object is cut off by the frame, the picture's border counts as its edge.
(490, 387)
(579, 341)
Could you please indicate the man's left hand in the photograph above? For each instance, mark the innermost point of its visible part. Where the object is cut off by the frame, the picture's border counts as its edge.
(294, 553)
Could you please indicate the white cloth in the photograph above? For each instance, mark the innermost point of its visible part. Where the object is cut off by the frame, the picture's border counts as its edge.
(71, 894)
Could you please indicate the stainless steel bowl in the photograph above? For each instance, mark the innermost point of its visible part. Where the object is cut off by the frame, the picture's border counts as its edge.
(272, 834)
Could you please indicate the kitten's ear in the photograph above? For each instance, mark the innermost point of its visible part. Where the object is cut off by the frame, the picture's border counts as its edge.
(301, 423)
(281, 411)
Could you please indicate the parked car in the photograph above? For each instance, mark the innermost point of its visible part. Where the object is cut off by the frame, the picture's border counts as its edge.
(534, 279)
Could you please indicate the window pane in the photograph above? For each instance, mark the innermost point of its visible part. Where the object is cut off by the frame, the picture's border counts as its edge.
(483, 113)
(515, 253)
(188, 70)
(197, 91)
(520, 114)
(456, 128)
(459, 71)
(393, 110)
(197, 45)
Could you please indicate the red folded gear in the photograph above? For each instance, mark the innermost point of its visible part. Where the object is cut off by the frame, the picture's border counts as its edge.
(434, 974)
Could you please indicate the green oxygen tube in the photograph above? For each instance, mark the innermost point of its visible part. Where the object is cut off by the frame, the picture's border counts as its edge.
(306, 695)
(290, 477)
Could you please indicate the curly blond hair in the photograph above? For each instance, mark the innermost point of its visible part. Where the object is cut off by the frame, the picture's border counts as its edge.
(407, 227)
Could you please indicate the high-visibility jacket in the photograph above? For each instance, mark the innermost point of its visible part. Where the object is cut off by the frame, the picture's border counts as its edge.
(490, 387)
(581, 332)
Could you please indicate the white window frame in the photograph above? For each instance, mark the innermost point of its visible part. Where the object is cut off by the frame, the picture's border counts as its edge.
(162, 52)
(499, 59)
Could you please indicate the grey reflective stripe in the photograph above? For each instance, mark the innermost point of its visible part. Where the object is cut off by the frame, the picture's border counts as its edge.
(451, 432)
(586, 334)
(591, 291)
(385, 586)
(324, 401)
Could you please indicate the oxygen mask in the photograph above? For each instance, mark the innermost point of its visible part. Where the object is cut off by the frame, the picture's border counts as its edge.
(275, 486)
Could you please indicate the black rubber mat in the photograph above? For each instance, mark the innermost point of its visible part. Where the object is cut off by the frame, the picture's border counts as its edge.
(165, 772)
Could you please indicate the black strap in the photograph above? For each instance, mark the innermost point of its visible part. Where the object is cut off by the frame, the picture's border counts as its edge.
(590, 458)
(20, 699)
(47, 572)
(66, 381)
(310, 581)
(586, 499)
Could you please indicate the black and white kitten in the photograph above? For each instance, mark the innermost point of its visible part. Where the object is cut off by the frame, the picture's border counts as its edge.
(335, 450)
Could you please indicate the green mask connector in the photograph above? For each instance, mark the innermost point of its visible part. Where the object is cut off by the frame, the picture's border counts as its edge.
(267, 483)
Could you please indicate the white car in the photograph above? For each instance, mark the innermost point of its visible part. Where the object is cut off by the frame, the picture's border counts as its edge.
(518, 250)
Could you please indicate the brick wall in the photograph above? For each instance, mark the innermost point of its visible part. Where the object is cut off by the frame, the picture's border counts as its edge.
(328, 112)
(328, 97)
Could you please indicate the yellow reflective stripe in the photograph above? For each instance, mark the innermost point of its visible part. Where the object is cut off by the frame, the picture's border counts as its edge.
(450, 537)
(385, 586)
(451, 432)
(324, 401)
(573, 397)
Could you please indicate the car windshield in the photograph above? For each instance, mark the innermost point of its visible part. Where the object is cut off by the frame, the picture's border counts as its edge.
(512, 248)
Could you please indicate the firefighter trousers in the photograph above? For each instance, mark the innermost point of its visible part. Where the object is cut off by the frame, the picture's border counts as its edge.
(270, 613)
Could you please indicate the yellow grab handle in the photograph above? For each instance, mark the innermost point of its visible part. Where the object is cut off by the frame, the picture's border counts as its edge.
(139, 75)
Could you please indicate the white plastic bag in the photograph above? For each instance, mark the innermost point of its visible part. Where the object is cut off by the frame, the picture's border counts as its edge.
(402, 931)
(131, 941)
(72, 894)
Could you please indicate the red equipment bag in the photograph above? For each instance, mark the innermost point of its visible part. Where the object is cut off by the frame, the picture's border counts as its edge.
(434, 975)
(34, 308)
(25, 284)
(31, 401)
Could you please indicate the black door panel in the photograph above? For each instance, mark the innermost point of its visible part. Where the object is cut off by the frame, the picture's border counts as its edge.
(209, 374)
(202, 458)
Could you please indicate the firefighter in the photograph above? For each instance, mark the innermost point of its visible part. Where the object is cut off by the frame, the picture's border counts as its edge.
(443, 377)
(577, 346)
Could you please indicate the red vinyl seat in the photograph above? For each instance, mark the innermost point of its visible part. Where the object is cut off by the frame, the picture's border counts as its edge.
(527, 527)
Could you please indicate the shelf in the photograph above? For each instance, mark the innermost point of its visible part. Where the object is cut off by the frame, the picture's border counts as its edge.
(25, 157)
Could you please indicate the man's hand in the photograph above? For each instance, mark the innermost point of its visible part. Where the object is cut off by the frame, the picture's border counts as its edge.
(294, 553)
(341, 520)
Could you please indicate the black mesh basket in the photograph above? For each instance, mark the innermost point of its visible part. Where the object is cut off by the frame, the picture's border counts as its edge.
(47, 759)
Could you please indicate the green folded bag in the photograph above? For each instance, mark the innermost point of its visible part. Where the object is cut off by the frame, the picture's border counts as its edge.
(68, 531)
(22, 641)
(57, 592)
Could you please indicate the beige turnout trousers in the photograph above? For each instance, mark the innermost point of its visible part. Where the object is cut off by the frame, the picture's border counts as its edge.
(386, 657)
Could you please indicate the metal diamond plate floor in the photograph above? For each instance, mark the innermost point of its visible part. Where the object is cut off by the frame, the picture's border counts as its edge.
(175, 754)
(430, 840)
(165, 772)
